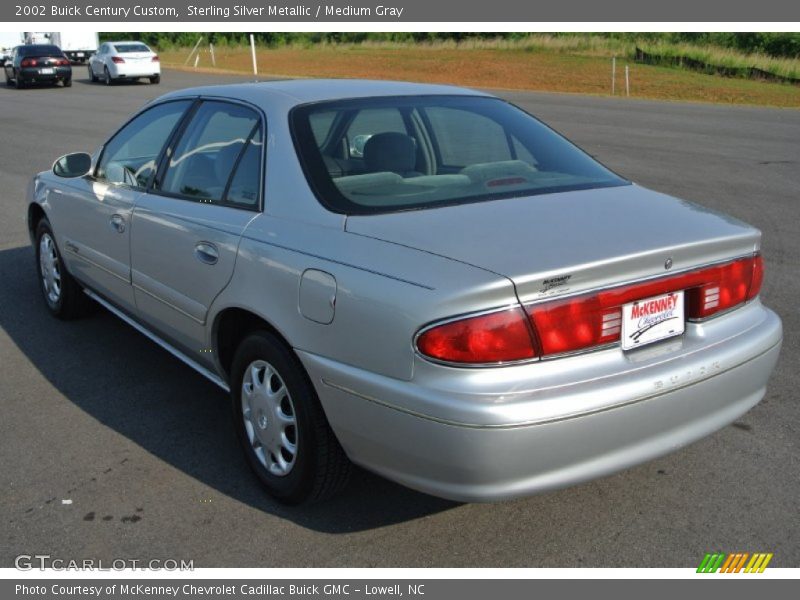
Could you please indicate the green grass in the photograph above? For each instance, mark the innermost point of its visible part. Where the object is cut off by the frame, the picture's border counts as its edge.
(725, 57)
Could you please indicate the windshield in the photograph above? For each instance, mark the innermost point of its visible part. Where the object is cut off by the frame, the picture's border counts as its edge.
(128, 48)
(399, 153)
(39, 50)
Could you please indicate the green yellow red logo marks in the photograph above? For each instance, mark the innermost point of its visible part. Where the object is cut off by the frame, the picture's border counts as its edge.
(743, 562)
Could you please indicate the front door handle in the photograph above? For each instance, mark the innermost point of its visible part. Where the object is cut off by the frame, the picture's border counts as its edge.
(206, 252)
(118, 223)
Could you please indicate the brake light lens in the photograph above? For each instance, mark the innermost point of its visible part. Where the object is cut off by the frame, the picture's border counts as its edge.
(155, 58)
(117, 60)
(585, 321)
(734, 283)
(492, 338)
(577, 323)
(28, 62)
(595, 319)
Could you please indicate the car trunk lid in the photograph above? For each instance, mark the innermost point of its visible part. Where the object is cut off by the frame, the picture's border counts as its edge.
(553, 244)
(137, 57)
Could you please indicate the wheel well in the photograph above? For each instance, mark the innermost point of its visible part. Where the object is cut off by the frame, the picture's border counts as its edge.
(232, 326)
(35, 214)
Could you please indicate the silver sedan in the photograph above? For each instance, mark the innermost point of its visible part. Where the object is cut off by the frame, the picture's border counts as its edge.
(422, 280)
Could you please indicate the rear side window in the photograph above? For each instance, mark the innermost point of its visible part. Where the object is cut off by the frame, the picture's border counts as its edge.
(208, 153)
(246, 181)
(130, 157)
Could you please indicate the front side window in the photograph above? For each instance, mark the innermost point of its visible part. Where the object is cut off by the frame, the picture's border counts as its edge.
(387, 154)
(209, 151)
(129, 158)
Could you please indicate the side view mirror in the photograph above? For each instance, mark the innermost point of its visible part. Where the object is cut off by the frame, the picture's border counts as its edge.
(77, 164)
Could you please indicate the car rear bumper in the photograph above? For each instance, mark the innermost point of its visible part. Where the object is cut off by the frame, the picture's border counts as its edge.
(524, 438)
(34, 75)
(135, 71)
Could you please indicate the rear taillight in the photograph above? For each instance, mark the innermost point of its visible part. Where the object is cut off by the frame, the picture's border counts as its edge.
(585, 321)
(593, 320)
(492, 338)
(155, 58)
(729, 285)
(117, 60)
(28, 62)
(62, 62)
(577, 323)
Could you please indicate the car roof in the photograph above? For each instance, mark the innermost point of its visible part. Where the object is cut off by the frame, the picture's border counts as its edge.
(126, 42)
(303, 91)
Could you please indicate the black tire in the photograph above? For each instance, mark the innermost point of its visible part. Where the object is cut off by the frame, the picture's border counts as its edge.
(92, 76)
(18, 82)
(9, 82)
(155, 79)
(71, 303)
(68, 82)
(321, 467)
(107, 77)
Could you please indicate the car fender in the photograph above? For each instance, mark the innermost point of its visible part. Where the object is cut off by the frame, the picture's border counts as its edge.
(382, 293)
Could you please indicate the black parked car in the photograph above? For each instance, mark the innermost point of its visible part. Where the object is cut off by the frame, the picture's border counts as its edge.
(37, 63)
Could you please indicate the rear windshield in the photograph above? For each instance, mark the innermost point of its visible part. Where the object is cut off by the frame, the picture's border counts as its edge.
(39, 50)
(400, 153)
(128, 48)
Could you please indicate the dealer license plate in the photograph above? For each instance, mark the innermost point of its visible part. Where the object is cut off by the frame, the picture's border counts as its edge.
(47, 71)
(652, 319)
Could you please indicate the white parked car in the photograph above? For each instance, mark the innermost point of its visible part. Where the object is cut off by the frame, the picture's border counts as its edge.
(119, 61)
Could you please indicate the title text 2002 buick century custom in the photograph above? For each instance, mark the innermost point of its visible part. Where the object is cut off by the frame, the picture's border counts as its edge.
(423, 280)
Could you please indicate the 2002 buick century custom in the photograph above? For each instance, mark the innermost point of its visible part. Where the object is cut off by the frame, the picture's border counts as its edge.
(423, 280)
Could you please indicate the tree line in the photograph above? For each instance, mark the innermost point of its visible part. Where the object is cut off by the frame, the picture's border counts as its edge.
(786, 45)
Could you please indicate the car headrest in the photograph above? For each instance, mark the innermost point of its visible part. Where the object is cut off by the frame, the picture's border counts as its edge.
(390, 151)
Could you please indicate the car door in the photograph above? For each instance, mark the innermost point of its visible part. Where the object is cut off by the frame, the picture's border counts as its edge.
(94, 212)
(96, 61)
(186, 232)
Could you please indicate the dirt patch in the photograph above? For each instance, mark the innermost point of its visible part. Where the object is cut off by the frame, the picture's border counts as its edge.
(496, 68)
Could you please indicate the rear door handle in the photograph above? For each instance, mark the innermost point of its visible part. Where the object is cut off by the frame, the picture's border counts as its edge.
(118, 223)
(206, 252)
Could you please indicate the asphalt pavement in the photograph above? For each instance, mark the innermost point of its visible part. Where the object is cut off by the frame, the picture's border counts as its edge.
(110, 448)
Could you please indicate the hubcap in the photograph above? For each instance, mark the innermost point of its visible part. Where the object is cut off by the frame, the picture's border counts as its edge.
(49, 268)
(269, 418)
